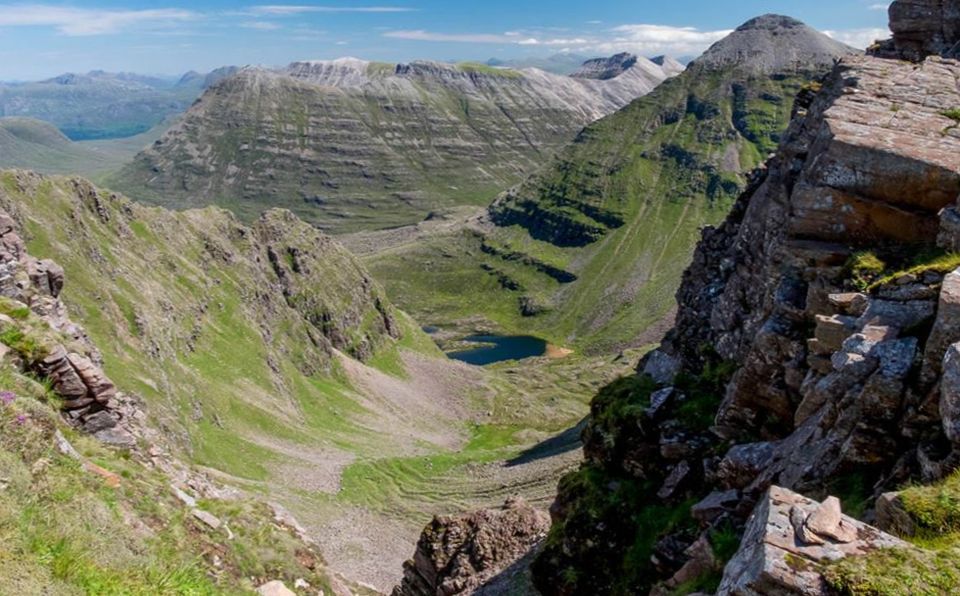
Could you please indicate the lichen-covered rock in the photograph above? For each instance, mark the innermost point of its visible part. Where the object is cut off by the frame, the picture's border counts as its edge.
(459, 554)
(772, 560)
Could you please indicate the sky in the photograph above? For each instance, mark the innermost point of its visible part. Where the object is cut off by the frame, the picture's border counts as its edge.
(44, 39)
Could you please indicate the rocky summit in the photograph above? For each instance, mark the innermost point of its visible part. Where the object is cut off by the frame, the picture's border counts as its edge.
(349, 144)
(770, 44)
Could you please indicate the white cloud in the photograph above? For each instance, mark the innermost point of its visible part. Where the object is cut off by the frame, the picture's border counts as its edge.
(533, 41)
(859, 38)
(295, 9)
(646, 40)
(421, 35)
(83, 21)
(261, 25)
(879, 6)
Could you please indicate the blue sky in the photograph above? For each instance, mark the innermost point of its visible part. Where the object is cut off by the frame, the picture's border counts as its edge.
(44, 39)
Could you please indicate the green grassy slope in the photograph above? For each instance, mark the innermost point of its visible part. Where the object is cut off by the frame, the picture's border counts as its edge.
(227, 333)
(190, 313)
(619, 210)
(101, 522)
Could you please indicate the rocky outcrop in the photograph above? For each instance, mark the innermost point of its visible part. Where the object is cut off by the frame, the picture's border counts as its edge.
(787, 541)
(606, 68)
(460, 554)
(350, 144)
(814, 348)
(850, 177)
(57, 348)
(922, 28)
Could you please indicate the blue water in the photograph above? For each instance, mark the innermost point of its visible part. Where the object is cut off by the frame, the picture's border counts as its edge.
(513, 347)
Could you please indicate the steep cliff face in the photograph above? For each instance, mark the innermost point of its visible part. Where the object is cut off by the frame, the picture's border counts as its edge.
(813, 350)
(350, 144)
(593, 245)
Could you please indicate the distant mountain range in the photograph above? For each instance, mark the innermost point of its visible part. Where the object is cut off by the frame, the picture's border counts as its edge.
(103, 105)
(567, 64)
(349, 144)
(563, 64)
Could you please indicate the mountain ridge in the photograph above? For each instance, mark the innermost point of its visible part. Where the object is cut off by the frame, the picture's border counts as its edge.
(617, 211)
(370, 144)
(99, 104)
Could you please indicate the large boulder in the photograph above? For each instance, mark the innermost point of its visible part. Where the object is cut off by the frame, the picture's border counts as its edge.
(787, 539)
(925, 27)
(459, 554)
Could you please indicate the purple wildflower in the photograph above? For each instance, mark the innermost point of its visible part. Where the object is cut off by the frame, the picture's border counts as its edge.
(7, 397)
(21, 418)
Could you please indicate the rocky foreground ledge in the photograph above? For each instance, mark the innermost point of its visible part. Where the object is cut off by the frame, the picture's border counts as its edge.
(787, 540)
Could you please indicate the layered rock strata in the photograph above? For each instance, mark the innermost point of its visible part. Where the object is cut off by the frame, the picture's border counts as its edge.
(351, 144)
(65, 355)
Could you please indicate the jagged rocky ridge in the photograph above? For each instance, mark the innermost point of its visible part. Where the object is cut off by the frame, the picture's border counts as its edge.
(350, 144)
(814, 350)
